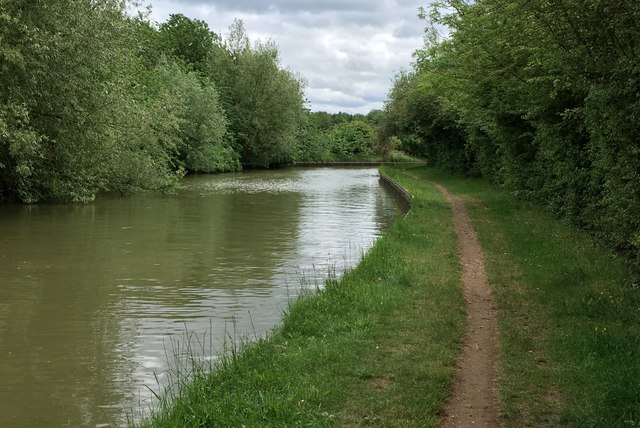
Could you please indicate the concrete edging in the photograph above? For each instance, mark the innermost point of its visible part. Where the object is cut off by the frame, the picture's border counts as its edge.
(405, 197)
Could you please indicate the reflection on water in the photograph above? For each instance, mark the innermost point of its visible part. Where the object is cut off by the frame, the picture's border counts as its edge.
(90, 295)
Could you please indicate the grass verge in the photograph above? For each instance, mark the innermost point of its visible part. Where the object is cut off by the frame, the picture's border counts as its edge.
(376, 347)
(569, 314)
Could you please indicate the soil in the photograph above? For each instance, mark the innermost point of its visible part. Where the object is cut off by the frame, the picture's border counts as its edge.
(473, 402)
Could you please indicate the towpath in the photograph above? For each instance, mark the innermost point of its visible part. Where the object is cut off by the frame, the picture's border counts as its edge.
(473, 402)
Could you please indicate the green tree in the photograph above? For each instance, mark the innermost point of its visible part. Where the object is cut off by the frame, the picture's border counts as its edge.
(200, 124)
(544, 97)
(66, 101)
(352, 139)
(267, 109)
(92, 100)
(189, 40)
(315, 142)
(414, 114)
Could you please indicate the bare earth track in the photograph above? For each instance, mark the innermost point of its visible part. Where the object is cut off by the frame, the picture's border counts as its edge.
(474, 399)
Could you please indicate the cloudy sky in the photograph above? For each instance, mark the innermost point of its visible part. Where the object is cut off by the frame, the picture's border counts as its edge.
(348, 50)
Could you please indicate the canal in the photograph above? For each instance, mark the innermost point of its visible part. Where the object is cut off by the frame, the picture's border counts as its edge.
(93, 297)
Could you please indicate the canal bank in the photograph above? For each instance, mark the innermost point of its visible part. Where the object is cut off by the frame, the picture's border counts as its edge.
(379, 346)
(356, 351)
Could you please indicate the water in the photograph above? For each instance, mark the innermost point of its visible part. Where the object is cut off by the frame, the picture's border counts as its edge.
(91, 296)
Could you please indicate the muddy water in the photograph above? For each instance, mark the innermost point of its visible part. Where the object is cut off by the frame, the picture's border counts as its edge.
(93, 296)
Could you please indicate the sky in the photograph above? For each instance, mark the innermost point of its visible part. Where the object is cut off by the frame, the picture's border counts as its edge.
(347, 50)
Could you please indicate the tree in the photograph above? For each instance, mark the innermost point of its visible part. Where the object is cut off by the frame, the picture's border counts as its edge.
(201, 126)
(267, 112)
(66, 101)
(352, 139)
(189, 40)
(92, 100)
(543, 95)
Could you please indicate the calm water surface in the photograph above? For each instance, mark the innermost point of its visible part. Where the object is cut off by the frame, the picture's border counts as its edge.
(92, 296)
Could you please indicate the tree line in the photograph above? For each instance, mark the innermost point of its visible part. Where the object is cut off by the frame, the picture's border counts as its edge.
(343, 137)
(539, 96)
(93, 99)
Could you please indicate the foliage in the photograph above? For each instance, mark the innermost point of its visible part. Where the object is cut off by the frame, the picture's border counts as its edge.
(70, 120)
(93, 100)
(201, 123)
(263, 103)
(325, 121)
(416, 118)
(345, 137)
(189, 40)
(315, 144)
(268, 108)
(538, 96)
(352, 139)
(388, 146)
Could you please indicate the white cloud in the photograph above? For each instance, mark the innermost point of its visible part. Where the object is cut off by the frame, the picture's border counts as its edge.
(348, 51)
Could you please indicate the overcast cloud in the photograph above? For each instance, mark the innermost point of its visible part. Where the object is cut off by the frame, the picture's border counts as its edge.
(348, 51)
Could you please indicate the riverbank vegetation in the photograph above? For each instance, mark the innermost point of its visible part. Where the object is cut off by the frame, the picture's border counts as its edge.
(378, 347)
(538, 97)
(343, 137)
(93, 99)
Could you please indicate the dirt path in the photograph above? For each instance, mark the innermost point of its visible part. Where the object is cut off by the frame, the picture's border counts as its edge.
(474, 399)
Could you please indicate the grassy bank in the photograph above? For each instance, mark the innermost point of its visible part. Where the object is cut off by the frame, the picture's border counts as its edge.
(377, 347)
(569, 315)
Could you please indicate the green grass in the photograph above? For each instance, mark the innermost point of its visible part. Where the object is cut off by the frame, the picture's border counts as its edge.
(569, 315)
(376, 347)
